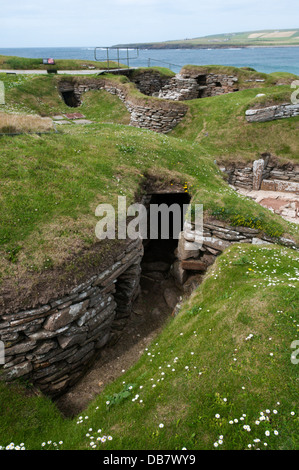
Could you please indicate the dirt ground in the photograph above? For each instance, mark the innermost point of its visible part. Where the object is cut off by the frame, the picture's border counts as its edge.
(149, 313)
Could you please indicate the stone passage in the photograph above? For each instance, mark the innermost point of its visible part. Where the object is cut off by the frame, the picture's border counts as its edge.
(69, 95)
(272, 113)
(155, 115)
(54, 344)
(160, 252)
(186, 85)
(149, 82)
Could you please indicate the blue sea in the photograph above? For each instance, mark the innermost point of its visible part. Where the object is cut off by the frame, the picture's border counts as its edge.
(267, 60)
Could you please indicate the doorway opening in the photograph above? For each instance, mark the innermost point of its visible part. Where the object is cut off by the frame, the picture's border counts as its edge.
(70, 98)
(160, 292)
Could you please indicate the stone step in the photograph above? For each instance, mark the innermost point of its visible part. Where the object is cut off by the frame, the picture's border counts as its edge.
(194, 265)
(280, 185)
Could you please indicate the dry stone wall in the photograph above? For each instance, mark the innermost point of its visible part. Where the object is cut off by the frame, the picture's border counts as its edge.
(265, 174)
(148, 82)
(151, 114)
(194, 258)
(186, 86)
(52, 345)
(272, 113)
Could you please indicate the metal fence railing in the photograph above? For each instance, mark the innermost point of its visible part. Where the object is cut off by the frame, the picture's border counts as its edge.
(115, 55)
(118, 57)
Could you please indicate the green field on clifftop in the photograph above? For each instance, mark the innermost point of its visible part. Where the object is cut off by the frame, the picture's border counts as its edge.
(264, 38)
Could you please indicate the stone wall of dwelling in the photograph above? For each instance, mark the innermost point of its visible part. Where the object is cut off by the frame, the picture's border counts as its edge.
(149, 114)
(52, 345)
(265, 174)
(198, 249)
(185, 87)
(272, 113)
(149, 82)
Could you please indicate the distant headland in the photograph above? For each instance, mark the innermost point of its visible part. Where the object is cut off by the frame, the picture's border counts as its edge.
(263, 38)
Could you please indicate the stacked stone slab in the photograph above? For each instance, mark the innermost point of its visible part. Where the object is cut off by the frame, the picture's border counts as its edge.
(265, 174)
(272, 113)
(52, 345)
(188, 86)
(197, 250)
(151, 114)
(158, 119)
(180, 89)
(149, 82)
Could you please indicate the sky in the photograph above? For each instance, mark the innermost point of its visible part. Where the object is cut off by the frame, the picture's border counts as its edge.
(83, 23)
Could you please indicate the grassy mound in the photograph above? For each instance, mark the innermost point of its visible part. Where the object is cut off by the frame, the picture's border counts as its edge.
(219, 125)
(52, 185)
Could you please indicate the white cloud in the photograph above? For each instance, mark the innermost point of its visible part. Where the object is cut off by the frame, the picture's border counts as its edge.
(107, 22)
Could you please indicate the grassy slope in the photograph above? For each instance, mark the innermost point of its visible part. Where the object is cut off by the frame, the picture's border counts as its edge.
(38, 201)
(219, 125)
(227, 40)
(204, 364)
(95, 155)
(240, 295)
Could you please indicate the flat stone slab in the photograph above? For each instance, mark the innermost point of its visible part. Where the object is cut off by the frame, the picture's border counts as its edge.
(58, 118)
(83, 121)
(75, 116)
(285, 204)
(61, 122)
(194, 265)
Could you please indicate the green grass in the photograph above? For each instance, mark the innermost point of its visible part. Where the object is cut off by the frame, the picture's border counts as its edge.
(101, 106)
(32, 95)
(52, 185)
(40, 95)
(225, 357)
(43, 176)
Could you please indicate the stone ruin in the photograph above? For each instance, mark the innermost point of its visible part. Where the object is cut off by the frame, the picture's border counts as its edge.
(186, 85)
(273, 185)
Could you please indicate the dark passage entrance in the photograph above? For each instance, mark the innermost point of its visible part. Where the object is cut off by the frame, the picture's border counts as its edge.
(202, 82)
(159, 291)
(159, 248)
(158, 295)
